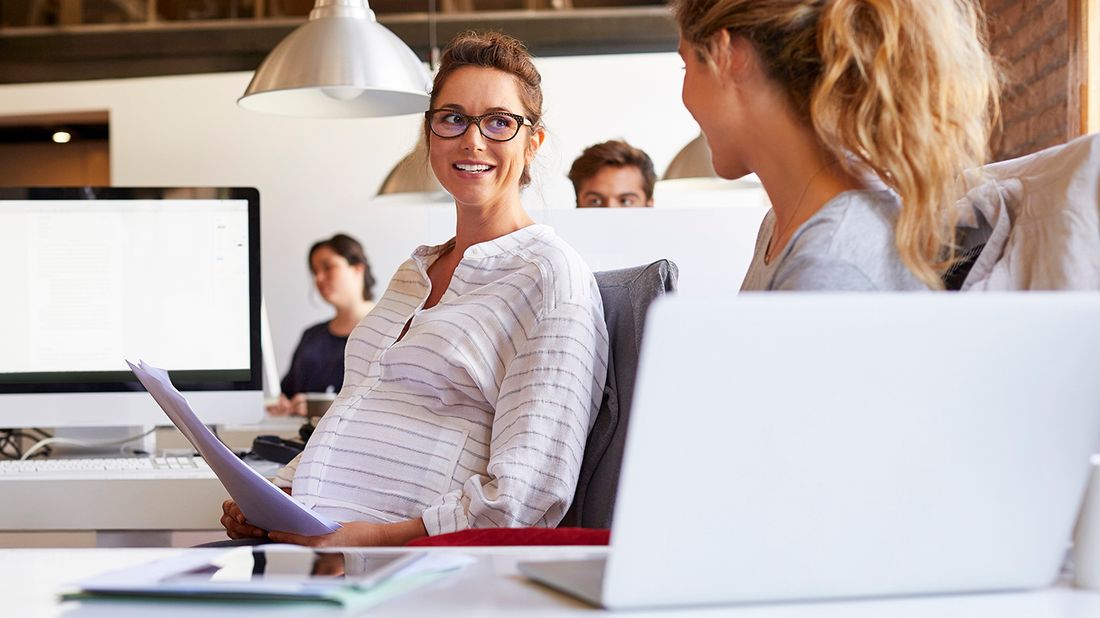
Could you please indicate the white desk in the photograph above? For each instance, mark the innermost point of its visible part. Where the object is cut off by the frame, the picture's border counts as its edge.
(491, 587)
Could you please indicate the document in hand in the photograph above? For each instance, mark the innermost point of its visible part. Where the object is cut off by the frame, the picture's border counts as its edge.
(353, 578)
(263, 504)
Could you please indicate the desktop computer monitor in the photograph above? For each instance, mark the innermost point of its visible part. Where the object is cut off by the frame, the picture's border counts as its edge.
(94, 276)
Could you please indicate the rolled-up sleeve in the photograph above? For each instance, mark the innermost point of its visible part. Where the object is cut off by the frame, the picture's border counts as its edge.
(549, 396)
(284, 478)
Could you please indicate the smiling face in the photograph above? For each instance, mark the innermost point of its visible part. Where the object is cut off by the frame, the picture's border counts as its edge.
(476, 171)
(613, 187)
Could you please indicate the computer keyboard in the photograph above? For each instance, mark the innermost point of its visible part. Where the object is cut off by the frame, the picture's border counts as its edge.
(109, 493)
(113, 467)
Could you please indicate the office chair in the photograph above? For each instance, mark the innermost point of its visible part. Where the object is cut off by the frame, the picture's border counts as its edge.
(626, 294)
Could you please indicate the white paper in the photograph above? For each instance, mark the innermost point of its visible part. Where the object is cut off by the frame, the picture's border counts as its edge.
(263, 504)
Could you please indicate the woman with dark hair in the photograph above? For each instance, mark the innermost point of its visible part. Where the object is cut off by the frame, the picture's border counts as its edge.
(343, 279)
(470, 388)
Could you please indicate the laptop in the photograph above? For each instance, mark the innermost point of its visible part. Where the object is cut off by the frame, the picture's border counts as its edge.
(804, 447)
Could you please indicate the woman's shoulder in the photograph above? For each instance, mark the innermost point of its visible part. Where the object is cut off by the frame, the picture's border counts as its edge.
(855, 230)
(544, 241)
(319, 328)
(318, 333)
(408, 281)
(851, 224)
(564, 275)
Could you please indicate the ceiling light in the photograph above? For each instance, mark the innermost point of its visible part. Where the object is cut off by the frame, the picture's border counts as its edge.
(62, 137)
(340, 64)
(412, 174)
(693, 161)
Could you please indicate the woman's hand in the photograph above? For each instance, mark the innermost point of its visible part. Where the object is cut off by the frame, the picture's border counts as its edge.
(280, 407)
(283, 407)
(235, 525)
(358, 534)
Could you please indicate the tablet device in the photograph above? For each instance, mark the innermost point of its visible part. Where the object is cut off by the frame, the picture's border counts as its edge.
(270, 572)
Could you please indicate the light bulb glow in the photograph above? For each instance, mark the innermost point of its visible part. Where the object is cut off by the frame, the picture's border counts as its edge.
(342, 93)
(62, 137)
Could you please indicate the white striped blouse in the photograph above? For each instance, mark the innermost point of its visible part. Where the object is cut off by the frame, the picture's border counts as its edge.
(477, 417)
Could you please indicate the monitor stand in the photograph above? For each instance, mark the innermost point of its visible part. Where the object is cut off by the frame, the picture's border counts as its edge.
(104, 441)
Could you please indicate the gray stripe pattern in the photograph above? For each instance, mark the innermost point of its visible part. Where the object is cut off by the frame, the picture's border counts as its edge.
(478, 417)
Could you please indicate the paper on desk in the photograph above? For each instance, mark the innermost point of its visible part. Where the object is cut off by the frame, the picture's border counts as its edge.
(229, 575)
(263, 504)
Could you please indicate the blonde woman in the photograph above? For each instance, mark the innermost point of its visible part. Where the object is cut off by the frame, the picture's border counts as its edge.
(857, 115)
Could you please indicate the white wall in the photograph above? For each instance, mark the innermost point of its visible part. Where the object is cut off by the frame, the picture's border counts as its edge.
(317, 177)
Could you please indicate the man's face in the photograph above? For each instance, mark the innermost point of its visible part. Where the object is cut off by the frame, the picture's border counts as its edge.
(613, 187)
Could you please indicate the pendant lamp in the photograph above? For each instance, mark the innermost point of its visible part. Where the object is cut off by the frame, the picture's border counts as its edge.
(340, 64)
(693, 161)
(412, 174)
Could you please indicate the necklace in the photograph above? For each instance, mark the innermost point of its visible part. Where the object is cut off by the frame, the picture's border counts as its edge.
(773, 245)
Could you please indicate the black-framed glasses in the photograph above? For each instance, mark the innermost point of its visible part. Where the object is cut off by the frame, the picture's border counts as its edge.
(495, 126)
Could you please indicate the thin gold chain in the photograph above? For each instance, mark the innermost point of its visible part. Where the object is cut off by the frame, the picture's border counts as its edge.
(769, 253)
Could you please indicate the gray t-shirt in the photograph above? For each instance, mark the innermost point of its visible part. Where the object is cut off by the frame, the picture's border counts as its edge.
(848, 245)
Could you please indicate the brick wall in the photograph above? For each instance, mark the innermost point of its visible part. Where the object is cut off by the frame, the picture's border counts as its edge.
(1031, 39)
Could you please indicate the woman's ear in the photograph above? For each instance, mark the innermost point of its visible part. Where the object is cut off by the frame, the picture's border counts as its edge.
(538, 136)
(734, 56)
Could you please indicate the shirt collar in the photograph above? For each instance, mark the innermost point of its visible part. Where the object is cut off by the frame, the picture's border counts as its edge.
(502, 245)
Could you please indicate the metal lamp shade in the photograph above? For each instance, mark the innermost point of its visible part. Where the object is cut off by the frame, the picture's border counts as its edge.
(693, 161)
(339, 66)
(412, 174)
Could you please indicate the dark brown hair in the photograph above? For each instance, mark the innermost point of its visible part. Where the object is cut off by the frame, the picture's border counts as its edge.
(614, 153)
(348, 248)
(493, 50)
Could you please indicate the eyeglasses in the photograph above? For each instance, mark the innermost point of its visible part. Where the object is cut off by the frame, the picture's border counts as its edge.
(495, 126)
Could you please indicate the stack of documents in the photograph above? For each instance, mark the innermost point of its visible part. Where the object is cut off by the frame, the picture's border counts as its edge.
(264, 505)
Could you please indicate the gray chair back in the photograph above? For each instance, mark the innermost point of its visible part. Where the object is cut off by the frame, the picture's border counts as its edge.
(627, 294)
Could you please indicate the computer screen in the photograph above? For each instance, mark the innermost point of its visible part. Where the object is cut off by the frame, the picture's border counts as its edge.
(95, 276)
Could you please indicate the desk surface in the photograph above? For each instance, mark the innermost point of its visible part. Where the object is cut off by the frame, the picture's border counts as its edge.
(492, 586)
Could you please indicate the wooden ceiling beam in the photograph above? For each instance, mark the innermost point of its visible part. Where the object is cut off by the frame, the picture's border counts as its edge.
(176, 48)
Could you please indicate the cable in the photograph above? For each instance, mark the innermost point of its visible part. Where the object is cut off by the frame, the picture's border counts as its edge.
(433, 48)
(43, 443)
(11, 440)
(9, 444)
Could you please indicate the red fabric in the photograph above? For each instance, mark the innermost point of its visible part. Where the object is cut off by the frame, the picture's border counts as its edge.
(517, 536)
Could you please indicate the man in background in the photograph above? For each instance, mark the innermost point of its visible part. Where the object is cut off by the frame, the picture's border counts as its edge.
(613, 174)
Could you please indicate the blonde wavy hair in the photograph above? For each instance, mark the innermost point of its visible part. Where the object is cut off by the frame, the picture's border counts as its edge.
(905, 88)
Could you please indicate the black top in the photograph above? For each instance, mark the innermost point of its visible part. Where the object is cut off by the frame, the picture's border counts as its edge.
(318, 362)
